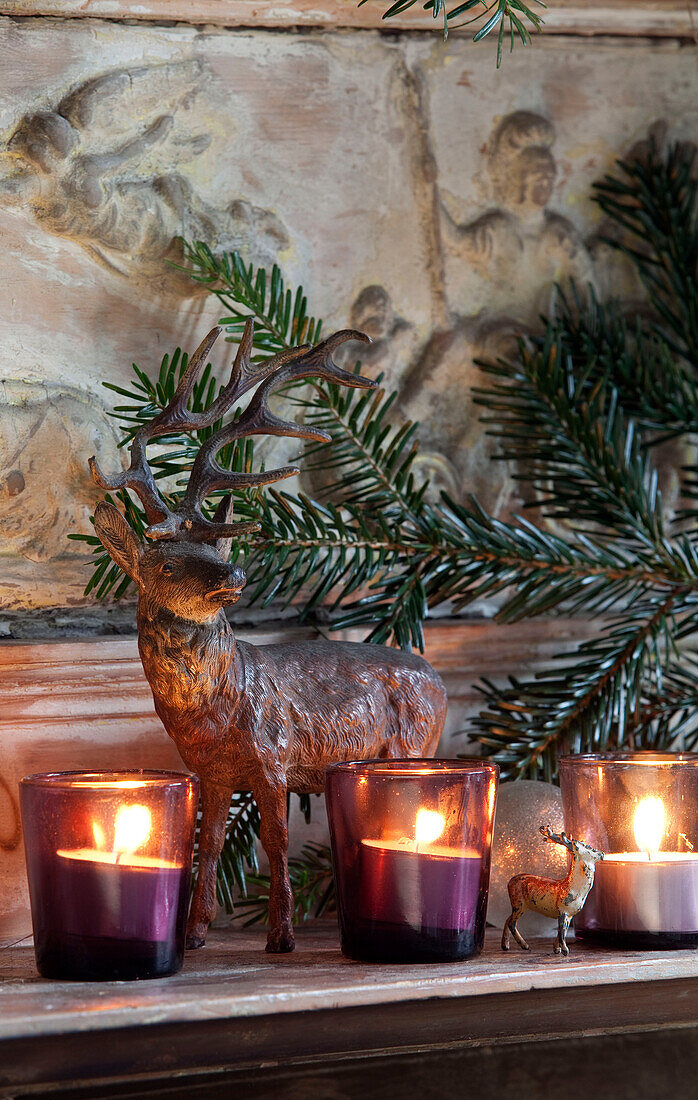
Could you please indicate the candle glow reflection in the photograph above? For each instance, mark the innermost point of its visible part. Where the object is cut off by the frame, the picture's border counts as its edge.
(649, 825)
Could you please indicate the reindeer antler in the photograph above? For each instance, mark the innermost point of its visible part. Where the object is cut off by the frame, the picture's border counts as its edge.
(186, 520)
(555, 838)
(175, 416)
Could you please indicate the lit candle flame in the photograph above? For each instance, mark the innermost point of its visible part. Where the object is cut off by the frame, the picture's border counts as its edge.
(131, 829)
(649, 825)
(428, 827)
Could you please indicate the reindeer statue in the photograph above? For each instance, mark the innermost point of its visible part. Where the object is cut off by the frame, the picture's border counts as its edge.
(556, 898)
(267, 719)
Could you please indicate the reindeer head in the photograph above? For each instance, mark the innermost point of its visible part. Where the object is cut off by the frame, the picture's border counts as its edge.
(577, 847)
(190, 580)
(184, 568)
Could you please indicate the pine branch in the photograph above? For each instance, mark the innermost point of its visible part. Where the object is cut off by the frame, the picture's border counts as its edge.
(584, 405)
(238, 867)
(413, 556)
(308, 548)
(493, 16)
(570, 436)
(312, 885)
(303, 546)
(372, 459)
(670, 717)
(539, 572)
(595, 702)
(238, 859)
(654, 204)
(656, 390)
(281, 316)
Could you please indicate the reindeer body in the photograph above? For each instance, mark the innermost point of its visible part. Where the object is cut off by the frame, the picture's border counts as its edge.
(559, 899)
(270, 719)
(286, 710)
(267, 719)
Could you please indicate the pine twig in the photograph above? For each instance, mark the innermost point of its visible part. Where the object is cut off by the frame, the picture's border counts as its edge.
(491, 15)
(312, 884)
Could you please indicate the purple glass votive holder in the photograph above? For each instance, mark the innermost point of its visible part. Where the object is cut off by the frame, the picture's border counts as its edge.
(641, 810)
(109, 857)
(411, 844)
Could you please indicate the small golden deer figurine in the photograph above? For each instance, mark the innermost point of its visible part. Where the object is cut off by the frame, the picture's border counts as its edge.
(556, 898)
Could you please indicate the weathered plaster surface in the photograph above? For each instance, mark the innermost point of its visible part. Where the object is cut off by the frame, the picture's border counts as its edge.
(586, 17)
(413, 189)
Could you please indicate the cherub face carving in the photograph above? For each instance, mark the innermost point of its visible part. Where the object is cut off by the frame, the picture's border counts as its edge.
(521, 164)
(537, 176)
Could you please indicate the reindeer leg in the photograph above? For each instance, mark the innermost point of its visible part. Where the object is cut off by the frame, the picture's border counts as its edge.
(215, 802)
(506, 934)
(563, 923)
(516, 913)
(274, 836)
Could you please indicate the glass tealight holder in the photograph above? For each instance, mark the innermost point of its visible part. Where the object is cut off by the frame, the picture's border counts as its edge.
(109, 857)
(641, 810)
(411, 844)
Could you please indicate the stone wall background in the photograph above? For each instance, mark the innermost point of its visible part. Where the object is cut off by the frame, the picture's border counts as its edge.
(413, 189)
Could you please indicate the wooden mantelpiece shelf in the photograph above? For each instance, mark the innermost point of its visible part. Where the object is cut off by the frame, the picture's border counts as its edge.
(327, 1027)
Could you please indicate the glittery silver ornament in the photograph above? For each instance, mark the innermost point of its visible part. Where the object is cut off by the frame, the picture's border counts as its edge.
(518, 848)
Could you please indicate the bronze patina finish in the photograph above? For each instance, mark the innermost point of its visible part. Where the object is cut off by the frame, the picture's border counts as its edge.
(556, 898)
(267, 719)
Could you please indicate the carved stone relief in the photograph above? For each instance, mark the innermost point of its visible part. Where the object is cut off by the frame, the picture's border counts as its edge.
(106, 168)
(395, 342)
(520, 253)
(437, 392)
(45, 491)
(520, 247)
(412, 190)
(394, 339)
(517, 251)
